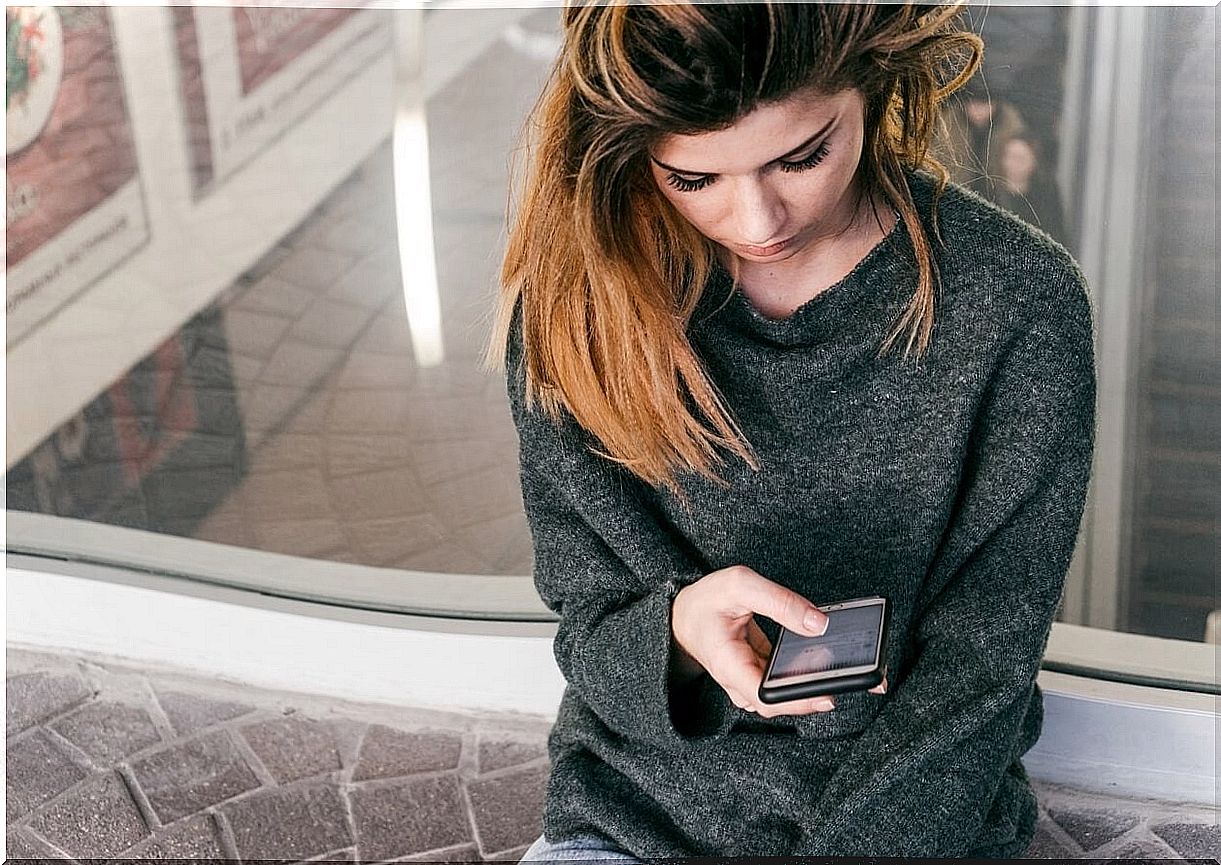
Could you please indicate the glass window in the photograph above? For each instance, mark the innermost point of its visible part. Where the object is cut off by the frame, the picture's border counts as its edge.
(251, 254)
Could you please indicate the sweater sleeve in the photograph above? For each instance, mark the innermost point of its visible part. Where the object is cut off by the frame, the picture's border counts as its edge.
(609, 566)
(921, 779)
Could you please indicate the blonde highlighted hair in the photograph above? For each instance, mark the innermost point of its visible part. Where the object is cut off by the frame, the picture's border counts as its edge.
(604, 271)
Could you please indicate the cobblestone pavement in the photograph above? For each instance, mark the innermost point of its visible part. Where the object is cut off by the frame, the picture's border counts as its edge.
(106, 761)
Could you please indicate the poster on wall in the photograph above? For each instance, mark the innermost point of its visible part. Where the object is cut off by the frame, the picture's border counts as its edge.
(75, 201)
(249, 73)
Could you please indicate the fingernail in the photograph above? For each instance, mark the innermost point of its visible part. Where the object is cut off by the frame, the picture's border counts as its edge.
(828, 704)
(816, 622)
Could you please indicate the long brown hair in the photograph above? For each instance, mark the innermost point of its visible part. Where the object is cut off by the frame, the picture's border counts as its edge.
(606, 272)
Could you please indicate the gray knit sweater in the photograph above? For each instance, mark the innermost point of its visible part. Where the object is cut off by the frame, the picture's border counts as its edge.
(954, 486)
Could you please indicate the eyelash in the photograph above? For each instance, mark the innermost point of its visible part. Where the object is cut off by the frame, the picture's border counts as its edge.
(684, 185)
(809, 162)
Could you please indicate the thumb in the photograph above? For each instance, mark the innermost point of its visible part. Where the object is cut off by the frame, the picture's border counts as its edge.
(783, 606)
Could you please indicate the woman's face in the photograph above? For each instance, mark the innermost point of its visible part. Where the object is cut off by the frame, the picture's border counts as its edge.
(1018, 163)
(979, 111)
(775, 183)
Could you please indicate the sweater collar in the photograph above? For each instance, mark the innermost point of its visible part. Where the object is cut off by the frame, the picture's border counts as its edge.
(883, 276)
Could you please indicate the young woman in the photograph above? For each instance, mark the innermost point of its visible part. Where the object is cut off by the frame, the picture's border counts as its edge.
(1028, 187)
(761, 359)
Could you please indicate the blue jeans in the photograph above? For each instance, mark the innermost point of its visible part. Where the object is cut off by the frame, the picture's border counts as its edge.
(584, 849)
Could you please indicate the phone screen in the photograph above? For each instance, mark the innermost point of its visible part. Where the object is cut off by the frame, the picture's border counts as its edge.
(851, 640)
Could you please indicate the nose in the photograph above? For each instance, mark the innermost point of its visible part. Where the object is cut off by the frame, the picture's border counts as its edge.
(759, 213)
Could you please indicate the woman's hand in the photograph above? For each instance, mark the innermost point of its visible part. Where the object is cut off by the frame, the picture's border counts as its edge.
(712, 622)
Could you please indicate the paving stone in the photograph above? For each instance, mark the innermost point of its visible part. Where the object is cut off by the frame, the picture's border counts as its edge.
(37, 770)
(1093, 828)
(292, 748)
(1191, 840)
(191, 776)
(358, 454)
(331, 324)
(404, 819)
(321, 538)
(370, 281)
(289, 823)
(387, 495)
(314, 269)
(98, 820)
(348, 733)
(299, 363)
(275, 296)
(254, 334)
(194, 838)
(348, 855)
(465, 853)
(108, 731)
(1045, 846)
(381, 542)
(266, 406)
(499, 753)
(1138, 848)
(353, 234)
(390, 753)
(297, 495)
(445, 558)
(513, 855)
(191, 712)
(20, 845)
(35, 697)
(508, 809)
(270, 260)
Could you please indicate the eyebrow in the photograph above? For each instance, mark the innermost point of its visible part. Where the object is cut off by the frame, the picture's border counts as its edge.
(800, 147)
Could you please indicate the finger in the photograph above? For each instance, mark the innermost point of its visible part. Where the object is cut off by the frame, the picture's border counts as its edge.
(753, 591)
(881, 688)
(808, 706)
(743, 672)
(740, 701)
(739, 671)
(758, 641)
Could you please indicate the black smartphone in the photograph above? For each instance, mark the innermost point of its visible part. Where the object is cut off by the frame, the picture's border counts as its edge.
(849, 656)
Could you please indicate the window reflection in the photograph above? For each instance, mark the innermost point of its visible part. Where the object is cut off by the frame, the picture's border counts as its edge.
(294, 407)
(1001, 132)
(1170, 588)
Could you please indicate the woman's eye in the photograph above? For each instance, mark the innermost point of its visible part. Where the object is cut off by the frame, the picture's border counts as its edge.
(809, 162)
(682, 184)
(686, 184)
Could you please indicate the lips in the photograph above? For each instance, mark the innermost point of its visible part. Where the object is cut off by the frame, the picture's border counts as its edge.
(763, 251)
